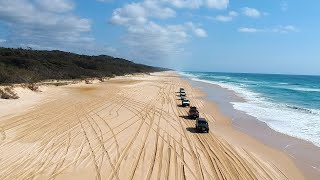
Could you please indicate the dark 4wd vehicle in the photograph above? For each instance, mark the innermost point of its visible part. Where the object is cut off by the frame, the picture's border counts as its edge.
(202, 125)
(193, 108)
(183, 94)
(181, 90)
(193, 113)
(185, 103)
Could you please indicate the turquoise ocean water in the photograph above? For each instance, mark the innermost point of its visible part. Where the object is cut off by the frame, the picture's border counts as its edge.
(289, 104)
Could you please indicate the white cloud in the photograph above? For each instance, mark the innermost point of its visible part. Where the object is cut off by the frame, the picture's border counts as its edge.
(247, 30)
(2, 40)
(233, 13)
(185, 3)
(199, 32)
(23, 13)
(226, 18)
(251, 12)
(152, 41)
(218, 4)
(278, 29)
(285, 29)
(155, 9)
(148, 40)
(223, 18)
(137, 13)
(193, 4)
(49, 24)
(56, 5)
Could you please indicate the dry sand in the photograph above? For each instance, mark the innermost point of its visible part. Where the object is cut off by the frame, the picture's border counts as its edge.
(130, 128)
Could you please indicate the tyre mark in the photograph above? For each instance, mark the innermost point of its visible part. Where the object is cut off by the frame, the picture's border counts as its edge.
(98, 176)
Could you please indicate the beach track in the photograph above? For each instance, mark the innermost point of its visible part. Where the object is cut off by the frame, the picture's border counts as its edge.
(126, 128)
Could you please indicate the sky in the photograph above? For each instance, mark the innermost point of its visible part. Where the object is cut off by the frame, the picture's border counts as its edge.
(274, 36)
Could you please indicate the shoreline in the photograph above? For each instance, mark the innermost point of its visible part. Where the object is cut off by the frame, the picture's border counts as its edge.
(127, 126)
(302, 152)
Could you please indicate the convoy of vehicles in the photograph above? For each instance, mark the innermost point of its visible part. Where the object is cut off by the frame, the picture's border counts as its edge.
(201, 123)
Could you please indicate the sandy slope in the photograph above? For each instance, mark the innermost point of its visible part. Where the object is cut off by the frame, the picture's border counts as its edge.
(128, 128)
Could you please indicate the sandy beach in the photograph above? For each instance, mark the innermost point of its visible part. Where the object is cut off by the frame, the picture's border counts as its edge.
(129, 128)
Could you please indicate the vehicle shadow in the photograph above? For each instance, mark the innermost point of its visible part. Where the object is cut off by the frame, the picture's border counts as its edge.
(192, 129)
(178, 95)
(185, 117)
(179, 105)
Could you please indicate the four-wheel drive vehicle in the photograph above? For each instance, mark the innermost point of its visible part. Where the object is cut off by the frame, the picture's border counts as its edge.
(185, 103)
(202, 125)
(181, 90)
(183, 94)
(193, 113)
(183, 98)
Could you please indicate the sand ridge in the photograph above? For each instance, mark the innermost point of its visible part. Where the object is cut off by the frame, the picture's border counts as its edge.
(127, 128)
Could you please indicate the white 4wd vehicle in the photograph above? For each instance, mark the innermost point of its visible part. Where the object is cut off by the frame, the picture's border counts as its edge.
(185, 103)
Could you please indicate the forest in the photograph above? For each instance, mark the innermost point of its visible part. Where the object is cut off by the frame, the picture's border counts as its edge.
(31, 66)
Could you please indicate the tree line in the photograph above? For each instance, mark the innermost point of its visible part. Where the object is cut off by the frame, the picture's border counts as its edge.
(30, 66)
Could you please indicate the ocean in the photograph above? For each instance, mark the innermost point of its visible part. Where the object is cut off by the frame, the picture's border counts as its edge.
(289, 104)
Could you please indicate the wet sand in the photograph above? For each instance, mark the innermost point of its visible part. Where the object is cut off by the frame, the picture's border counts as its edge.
(131, 128)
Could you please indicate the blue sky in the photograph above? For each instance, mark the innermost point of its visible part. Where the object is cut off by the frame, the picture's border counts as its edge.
(274, 36)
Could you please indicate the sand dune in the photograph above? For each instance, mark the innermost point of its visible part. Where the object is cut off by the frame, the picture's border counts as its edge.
(128, 128)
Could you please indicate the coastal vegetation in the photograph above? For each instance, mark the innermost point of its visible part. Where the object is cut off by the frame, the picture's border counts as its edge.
(31, 66)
